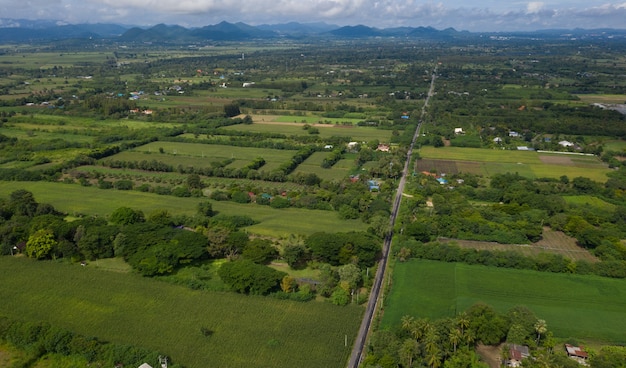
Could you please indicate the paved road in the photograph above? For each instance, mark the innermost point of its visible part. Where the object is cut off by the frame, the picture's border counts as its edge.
(357, 351)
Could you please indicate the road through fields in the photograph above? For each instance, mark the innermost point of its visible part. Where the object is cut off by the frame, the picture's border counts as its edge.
(359, 345)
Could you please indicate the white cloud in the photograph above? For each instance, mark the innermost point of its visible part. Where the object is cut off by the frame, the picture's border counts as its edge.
(473, 15)
(534, 7)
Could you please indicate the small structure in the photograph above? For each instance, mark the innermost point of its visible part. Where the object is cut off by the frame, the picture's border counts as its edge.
(577, 353)
(458, 131)
(513, 134)
(383, 148)
(497, 140)
(566, 144)
(374, 186)
(516, 354)
(328, 146)
(442, 181)
(248, 84)
(145, 365)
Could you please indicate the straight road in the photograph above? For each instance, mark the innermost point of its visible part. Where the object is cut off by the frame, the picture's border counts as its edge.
(359, 345)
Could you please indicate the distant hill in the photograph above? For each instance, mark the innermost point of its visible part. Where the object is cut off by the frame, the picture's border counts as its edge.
(20, 30)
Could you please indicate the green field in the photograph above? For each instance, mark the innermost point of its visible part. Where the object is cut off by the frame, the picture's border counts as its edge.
(530, 164)
(248, 331)
(584, 307)
(591, 201)
(326, 131)
(75, 199)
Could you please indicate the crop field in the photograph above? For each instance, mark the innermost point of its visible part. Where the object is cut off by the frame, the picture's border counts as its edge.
(93, 201)
(452, 160)
(293, 125)
(552, 242)
(435, 289)
(203, 155)
(248, 331)
(615, 145)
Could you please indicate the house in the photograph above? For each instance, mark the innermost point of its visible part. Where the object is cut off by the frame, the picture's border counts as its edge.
(497, 140)
(373, 185)
(516, 354)
(577, 353)
(566, 144)
(513, 134)
(328, 146)
(458, 131)
(383, 148)
(352, 146)
(248, 84)
(442, 181)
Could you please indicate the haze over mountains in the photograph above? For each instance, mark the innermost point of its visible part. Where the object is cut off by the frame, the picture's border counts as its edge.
(19, 30)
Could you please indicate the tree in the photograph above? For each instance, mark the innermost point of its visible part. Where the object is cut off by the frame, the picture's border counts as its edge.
(350, 274)
(194, 182)
(288, 284)
(205, 208)
(247, 277)
(40, 244)
(22, 203)
(260, 251)
(231, 110)
(540, 327)
(126, 216)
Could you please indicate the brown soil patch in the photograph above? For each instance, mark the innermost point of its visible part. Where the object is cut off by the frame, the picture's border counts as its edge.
(439, 166)
(552, 242)
(556, 160)
(490, 355)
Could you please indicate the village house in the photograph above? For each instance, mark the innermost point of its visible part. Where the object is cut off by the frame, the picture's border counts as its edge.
(577, 353)
(516, 354)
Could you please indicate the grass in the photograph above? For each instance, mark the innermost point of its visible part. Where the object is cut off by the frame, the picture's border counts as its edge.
(361, 134)
(125, 308)
(93, 201)
(588, 200)
(584, 307)
(530, 164)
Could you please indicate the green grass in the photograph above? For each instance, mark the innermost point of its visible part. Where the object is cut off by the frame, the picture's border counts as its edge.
(526, 163)
(588, 200)
(125, 308)
(326, 131)
(584, 307)
(75, 199)
(619, 146)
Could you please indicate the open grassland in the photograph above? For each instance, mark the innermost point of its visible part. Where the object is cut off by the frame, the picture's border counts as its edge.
(75, 199)
(551, 242)
(312, 165)
(248, 331)
(583, 307)
(77, 124)
(486, 162)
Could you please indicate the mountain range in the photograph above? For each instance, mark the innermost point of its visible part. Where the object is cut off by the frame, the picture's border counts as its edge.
(19, 30)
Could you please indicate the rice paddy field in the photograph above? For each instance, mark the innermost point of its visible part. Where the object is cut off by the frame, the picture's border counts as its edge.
(586, 307)
(248, 331)
(531, 164)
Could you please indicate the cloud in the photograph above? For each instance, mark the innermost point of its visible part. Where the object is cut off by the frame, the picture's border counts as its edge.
(473, 15)
(534, 7)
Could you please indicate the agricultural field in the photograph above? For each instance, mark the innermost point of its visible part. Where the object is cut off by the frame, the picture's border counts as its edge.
(204, 155)
(551, 242)
(434, 290)
(293, 125)
(248, 331)
(485, 162)
(93, 201)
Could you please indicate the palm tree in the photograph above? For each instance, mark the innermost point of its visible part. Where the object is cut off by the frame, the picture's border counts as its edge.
(540, 327)
(408, 351)
(407, 322)
(455, 336)
(463, 321)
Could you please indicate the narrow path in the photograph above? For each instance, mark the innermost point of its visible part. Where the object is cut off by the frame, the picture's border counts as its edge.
(359, 345)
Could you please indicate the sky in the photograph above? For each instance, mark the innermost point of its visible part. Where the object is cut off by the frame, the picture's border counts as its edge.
(470, 15)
